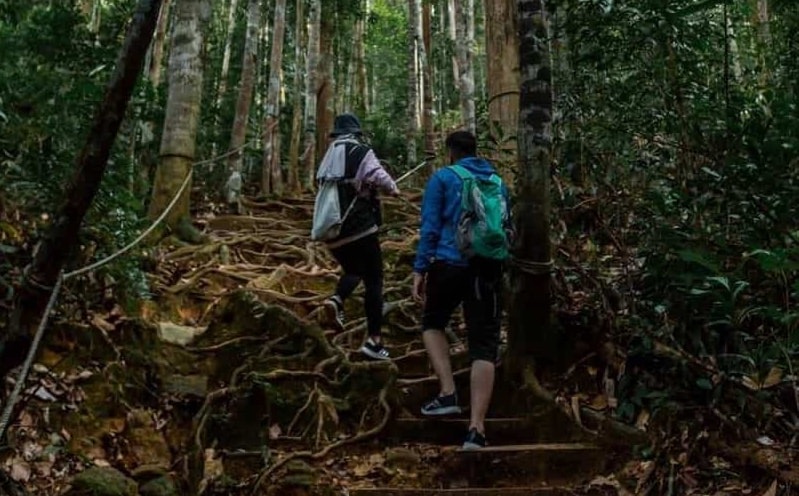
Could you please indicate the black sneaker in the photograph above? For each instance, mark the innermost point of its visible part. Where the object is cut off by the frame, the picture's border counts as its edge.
(442, 405)
(335, 311)
(474, 440)
(375, 351)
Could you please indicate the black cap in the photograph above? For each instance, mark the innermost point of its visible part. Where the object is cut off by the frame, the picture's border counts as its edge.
(346, 124)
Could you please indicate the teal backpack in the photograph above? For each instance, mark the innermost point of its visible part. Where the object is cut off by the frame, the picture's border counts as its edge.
(484, 217)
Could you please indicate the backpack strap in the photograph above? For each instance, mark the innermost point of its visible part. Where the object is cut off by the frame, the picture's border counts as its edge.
(461, 172)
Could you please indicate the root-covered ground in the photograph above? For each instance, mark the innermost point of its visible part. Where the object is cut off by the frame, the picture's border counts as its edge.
(231, 380)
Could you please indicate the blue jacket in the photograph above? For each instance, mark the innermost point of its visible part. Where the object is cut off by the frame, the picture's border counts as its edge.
(441, 210)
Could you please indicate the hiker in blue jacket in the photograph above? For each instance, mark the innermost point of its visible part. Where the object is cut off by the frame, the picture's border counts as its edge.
(444, 278)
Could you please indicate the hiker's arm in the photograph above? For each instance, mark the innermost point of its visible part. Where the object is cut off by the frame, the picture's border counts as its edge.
(372, 174)
(430, 232)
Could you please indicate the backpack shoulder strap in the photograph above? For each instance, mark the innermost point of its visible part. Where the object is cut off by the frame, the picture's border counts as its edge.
(461, 172)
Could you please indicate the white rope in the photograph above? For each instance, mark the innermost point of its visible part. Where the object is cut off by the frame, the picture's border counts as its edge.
(12, 400)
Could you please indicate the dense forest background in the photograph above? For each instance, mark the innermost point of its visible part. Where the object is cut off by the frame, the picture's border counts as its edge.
(671, 133)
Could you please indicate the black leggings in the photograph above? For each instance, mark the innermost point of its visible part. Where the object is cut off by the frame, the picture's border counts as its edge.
(363, 260)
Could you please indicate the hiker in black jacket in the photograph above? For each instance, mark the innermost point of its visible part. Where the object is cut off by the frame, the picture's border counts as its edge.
(357, 247)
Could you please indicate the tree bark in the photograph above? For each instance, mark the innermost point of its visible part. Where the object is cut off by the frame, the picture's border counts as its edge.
(503, 82)
(529, 338)
(412, 131)
(311, 92)
(360, 103)
(464, 22)
(452, 31)
(238, 134)
(324, 95)
(157, 51)
(61, 238)
(231, 27)
(296, 119)
(427, 88)
(272, 179)
(182, 119)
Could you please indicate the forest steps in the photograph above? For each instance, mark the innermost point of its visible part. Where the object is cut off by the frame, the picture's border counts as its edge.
(529, 453)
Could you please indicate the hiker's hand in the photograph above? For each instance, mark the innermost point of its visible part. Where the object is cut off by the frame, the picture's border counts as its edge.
(418, 287)
(395, 192)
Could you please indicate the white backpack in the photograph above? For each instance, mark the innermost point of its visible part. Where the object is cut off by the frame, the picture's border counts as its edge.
(327, 214)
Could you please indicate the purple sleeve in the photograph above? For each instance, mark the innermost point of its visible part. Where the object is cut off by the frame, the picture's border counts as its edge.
(371, 173)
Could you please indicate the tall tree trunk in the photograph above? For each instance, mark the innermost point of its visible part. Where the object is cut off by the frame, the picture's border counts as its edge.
(311, 92)
(529, 337)
(360, 103)
(157, 50)
(238, 135)
(296, 118)
(61, 238)
(427, 85)
(464, 22)
(413, 41)
(231, 28)
(452, 31)
(502, 48)
(324, 96)
(272, 179)
(182, 119)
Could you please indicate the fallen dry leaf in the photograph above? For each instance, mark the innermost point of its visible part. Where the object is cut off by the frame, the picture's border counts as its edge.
(772, 490)
(20, 470)
(773, 378)
(274, 431)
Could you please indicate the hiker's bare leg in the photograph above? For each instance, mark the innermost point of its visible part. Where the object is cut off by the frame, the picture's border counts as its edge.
(438, 350)
(482, 386)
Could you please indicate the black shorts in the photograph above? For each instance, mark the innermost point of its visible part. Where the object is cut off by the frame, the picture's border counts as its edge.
(479, 288)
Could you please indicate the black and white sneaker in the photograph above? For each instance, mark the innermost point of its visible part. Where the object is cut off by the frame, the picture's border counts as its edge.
(375, 351)
(474, 440)
(442, 405)
(335, 311)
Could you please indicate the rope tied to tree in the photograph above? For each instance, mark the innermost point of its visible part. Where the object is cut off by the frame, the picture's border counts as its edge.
(532, 267)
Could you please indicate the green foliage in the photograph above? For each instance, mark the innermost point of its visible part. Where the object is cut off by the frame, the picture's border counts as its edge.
(44, 122)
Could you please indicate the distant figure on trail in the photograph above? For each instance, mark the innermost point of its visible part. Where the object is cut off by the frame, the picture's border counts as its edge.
(464, 240)
(347, 218)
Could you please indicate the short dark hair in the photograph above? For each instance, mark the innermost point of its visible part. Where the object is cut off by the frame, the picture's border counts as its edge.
(463, 143)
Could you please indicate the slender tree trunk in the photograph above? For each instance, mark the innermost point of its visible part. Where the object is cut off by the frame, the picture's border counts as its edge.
(311, 92)
(452, 25)
(502, 48)
(296, 118)
(427, 85)
(231, 28)
(529, 337)
(157, 51)
(360, 103)
(464, 17)
(272, 181)
(238, 135)
(414, 41)
(61, 238)
(178, 141)
(325, 101)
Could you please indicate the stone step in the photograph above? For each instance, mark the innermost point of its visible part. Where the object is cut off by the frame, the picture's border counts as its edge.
(552, 464)
(469, 491)
(547, 427)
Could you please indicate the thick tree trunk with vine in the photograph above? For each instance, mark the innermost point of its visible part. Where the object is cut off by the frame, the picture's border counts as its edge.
(503, 82)
(324, 95)
(427, 88)
(464, 22)
(296, 117)
(238, 135)
(272, 179)
(61, 239)
(311, 93)
(414, 40)
(529, 338)
(178, 141)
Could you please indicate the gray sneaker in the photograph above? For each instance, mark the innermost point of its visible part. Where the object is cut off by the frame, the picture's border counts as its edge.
(442, 405)
(335, 311)
(375, 351)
